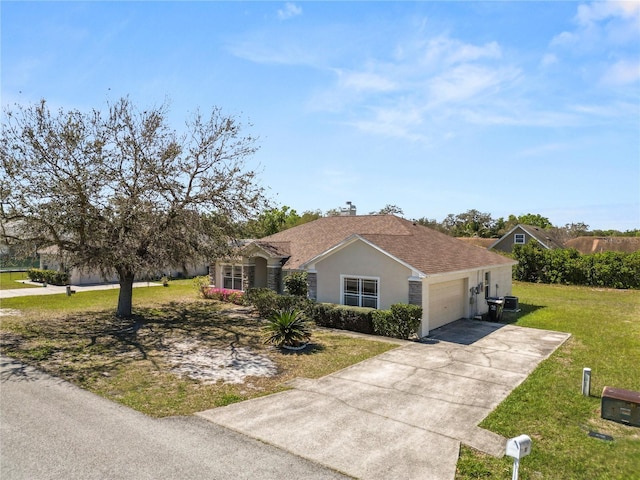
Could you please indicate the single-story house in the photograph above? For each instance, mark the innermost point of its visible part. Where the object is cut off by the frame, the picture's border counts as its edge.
(50, 260)
(374, 261)
(586, 245)
(521, 234)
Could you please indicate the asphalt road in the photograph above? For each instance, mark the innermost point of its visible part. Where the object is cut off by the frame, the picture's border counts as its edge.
(50, 429)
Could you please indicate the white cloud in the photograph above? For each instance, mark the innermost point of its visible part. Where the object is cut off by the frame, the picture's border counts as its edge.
(443, 50)
(468, 53)
(602, 23)
(399, 122)
(545, 149)
(365, 81)
(260, 50)
(616, 109)
(589, 14)
(565, 39)
(468, 81)
(548, 60)
(290, 10)
(623, 72)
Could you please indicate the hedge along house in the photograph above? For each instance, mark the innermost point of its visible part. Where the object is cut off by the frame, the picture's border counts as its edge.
(374, 261)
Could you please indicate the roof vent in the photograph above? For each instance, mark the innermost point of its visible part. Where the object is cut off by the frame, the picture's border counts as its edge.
(349, 210)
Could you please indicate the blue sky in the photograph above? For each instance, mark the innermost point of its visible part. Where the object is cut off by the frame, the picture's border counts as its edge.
(436, 107)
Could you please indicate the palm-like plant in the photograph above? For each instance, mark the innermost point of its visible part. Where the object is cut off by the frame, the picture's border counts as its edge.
(288, 328)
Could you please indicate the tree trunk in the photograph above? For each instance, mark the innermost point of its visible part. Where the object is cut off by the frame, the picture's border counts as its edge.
(125, 298)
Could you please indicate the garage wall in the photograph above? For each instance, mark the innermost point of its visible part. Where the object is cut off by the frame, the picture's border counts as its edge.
(447, 298)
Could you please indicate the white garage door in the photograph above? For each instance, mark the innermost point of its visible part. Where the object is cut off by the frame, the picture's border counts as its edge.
(446, 302)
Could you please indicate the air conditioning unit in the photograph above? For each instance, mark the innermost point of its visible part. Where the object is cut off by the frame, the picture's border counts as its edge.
(511, 304)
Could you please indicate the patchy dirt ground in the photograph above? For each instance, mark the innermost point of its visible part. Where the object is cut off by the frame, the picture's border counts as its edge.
(7, 312)
(208, 365)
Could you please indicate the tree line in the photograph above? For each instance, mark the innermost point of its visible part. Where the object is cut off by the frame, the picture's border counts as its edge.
(471, 223)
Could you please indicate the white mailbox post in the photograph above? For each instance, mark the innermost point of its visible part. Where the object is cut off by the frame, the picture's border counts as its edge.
(518, 448)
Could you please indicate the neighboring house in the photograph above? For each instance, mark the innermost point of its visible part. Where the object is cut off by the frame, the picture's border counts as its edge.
(50, 260)
(374, 261)
(586, 245)
(522, 234)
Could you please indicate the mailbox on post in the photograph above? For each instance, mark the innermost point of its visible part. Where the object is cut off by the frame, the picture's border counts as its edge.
(518, 448)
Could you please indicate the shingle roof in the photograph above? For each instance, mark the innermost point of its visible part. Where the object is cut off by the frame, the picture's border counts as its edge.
(478, 241)
(542, 235)
(424, 249)
(604, 244)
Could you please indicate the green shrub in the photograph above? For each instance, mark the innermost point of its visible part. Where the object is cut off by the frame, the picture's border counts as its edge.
(355, 319)
(263, 299)
(569, 267)
(288, 328)
(51, 277)
(200, 283)
(267, 302)
(401, 321)
(295, 283)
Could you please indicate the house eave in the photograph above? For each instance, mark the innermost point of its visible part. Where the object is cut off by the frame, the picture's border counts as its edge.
(471, 270)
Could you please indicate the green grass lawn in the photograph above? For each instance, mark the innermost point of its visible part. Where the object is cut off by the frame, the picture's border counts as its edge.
(79, 339)
(9, 280)
(549, 406)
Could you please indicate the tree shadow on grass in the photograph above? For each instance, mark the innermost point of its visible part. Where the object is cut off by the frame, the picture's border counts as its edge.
(79, 346)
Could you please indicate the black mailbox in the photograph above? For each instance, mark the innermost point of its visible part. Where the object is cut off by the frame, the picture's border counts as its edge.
(622, 406)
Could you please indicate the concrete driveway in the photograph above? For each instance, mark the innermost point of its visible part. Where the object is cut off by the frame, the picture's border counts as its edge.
(402, 414)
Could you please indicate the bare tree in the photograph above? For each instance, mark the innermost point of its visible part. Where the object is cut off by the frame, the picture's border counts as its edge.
(121, 191)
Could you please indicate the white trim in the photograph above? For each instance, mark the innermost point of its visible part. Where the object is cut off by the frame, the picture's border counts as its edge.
(517, 236)
(233, 277)
(359, 277)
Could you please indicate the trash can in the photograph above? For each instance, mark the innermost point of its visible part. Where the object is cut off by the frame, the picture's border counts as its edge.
(496, 306)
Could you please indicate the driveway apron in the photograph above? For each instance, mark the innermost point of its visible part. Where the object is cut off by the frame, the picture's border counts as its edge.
(404, 413)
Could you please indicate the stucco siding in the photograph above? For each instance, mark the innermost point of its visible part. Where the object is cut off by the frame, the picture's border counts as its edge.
(360, 259)
(502, 281)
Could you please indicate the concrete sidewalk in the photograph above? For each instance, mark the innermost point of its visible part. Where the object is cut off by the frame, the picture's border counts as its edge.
(56, 290)
(402, 414)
